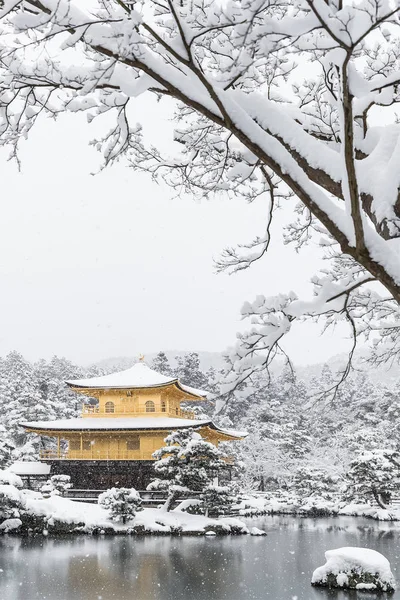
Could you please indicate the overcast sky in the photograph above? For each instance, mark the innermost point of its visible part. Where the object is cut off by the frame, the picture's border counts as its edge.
(110, 265)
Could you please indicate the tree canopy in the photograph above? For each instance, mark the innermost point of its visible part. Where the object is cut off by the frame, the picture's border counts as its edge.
(291, 102)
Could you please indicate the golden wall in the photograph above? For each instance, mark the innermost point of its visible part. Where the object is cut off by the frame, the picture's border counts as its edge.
(116, 446)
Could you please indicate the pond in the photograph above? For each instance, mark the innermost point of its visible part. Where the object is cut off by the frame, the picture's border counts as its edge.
(276, 567)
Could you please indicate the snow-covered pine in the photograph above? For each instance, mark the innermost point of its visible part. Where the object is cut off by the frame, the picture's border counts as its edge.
(60, 484)
(160, 363)
(21, 399)
(186, 464)
(189, 372)
(121, 503)
(217, 500)
(251, 121)
(374, 474)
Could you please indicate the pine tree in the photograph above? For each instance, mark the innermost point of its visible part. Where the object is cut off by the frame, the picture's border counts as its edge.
(186, 464)
(161, 364)
(216, 500)
(50, 378)
(189, 372)
(24, 401)
(374, 473)
(121, 503)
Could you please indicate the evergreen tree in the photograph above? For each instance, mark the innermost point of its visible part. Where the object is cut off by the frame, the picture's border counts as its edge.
(186, 464)
(50, 378)
(60, 484)
(23, 399)
(216, 500)
(161, 364)
(189, 372)
(374, 474)
(121, 503)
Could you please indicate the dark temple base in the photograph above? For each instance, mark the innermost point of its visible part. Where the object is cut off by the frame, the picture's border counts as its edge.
(102, 475)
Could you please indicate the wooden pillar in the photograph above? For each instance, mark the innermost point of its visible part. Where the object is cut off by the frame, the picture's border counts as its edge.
(81, 446)
(58, 447)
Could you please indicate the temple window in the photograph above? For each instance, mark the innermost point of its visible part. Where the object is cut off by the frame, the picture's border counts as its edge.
(86, 445)
(133, 443)
(150, 406)
(163, 406)
(109, 407)
(74, 444)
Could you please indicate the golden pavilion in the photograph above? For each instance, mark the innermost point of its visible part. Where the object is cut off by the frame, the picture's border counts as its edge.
(112, 442)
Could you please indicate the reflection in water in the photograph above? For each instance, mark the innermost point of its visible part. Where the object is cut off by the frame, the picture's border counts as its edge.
(276, 567)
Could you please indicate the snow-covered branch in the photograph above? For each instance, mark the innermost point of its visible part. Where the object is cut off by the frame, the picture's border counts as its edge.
(249, 123)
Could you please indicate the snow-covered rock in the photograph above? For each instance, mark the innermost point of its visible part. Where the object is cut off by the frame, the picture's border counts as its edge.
(10, 525)
(256, 531)
(355, 568)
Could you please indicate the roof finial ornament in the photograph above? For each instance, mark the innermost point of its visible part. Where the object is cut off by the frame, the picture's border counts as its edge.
(141, 357)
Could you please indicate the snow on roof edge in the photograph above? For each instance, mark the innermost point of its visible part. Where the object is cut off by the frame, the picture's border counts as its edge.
(127, 424)
(29, 468)
(136, 377)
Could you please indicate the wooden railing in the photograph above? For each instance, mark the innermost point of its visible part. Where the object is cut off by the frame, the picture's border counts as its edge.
(98, 455)
(92, 455)
(89, 410)
(150, 499)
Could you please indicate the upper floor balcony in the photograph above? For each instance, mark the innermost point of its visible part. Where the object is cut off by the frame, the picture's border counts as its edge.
(149, 410)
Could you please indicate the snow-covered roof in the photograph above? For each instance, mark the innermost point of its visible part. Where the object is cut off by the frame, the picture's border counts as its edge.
(125, 424)
(29, 468)
(138, 376)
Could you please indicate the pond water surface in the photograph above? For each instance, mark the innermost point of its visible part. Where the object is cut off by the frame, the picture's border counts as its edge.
(276, 567)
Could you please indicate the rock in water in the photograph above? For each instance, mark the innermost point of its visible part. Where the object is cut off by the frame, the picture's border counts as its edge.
(355, 568)
(256, 531)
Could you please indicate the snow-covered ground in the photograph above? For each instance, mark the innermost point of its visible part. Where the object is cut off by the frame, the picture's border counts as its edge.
(57, 514)
(291, 504)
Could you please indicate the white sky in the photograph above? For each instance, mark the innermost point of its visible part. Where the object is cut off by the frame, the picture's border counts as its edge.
(110, 265)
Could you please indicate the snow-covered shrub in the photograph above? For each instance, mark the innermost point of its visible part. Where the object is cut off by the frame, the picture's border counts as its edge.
(9, 478)
(46, 489)
(121, 503)
(60, 483)
(308, 481)
(373, 474)
(27, 453)
(57, 485)
(11, 499)
(185, 465)
(217, 500)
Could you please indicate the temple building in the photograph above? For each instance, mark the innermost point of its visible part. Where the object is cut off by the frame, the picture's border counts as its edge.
(112, 443)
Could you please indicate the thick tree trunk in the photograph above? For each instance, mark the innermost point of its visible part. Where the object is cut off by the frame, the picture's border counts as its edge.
(170, 501)
(378, 499)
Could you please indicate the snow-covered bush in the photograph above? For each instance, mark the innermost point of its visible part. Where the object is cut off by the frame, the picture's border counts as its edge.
(9, 478)
(373, 474)
(11, 499)
(46, 489)
(121, 503)
(308, 481)
(186, 464)
(28, 452)
(60, 484)
(217, 500)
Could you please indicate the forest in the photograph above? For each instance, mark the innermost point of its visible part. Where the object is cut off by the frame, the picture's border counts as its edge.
(300, 439)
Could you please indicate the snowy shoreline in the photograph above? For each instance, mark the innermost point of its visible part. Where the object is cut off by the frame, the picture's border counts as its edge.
(312, 507)
(30, 513)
